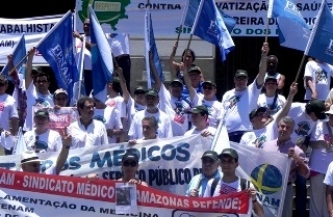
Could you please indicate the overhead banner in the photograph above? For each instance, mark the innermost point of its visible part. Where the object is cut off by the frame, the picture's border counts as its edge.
(126, 16)
(39, 195)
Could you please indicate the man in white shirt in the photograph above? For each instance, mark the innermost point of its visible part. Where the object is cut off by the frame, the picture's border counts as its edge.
(41, 139)
(164, 122)
(149, 130)
(317, 80)
(240, 101)
(87, 132)
(37, 83)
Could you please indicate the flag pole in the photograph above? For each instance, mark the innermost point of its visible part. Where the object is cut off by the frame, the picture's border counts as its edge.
(19, 63)
(81, 66)
(189, 42)
(266, 33)
(299, 68)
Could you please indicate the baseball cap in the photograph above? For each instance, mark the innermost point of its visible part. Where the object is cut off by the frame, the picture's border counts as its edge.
(59, 91)
(254, 112)
(42, 113)
(115, 80)
(151, 92)
(318, 108)
(210, 154)
(330, 112)
(270, 77)
(177, 81)
(194, 69)
(241, 73)
(36, 70)
(230, 152)
(199, 109)
(139, 89)
(209, 83)
(130, 156)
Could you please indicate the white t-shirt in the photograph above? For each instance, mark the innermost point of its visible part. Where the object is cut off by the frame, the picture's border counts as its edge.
(164, 125)
(321, 78)
(264, 101)
(304, 126)
(328, 180)
(87, 55)
(223, 188)
(118, 103)
(119, 44)
(193, 131)
(33, 99)
(50, 141)
(132, 108)
(215, 109)
(94, 135)
(176, 109)
(8, 109)
(319, 157)
(113, 122)
(238, 105)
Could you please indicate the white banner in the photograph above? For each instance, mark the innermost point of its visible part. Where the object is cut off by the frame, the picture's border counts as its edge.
(34, 29)
(165, 164)
(127, 16)
(39, 195)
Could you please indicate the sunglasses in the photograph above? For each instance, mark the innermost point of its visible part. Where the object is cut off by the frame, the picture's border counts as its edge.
(2, 84)
(130, 163)
(34, 165)
(41, 81)
(61, 98)
(231, 161)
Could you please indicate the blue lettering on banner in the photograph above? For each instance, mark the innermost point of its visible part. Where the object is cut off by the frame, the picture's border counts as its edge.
(269, 201)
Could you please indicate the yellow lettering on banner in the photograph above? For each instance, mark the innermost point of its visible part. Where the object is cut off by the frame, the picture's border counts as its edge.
(7, 179)
(101, 6)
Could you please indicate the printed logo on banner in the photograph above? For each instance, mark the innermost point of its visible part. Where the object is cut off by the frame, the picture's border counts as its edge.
(267, 179)
(181, 213)
(107, 11)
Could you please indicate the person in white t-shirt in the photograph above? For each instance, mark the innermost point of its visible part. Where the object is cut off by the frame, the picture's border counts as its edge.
(149, 130)
(240, 101)
(272, 63)
(231, 183)
(271, 99)
(328, 181)
(87, 132)
(164, 123)
(41, 139)
(30, 161)
(37, 91)
(264, 124)
(317, 80)
(199, 116)
(321, 156)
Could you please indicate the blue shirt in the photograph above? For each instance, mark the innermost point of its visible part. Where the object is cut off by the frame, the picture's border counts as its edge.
(203, 180)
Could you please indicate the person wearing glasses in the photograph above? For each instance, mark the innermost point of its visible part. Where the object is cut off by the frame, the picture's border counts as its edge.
(129, 167)
(210, 163)
(41, 139)
(230, 183)
(208, 98)
(37, 83)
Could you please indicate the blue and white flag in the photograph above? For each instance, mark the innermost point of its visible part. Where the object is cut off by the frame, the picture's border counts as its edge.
(57, 49)
(320, 45)
(209, 26)
(102, 62)
(151, 47)
(18, 55)
(292, 34)
(192, 9)
(285, 8)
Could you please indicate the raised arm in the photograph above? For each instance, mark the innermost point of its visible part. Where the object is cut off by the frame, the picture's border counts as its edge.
(126, 94)
(191, 90)
(285, 110)
(63, 154)
(28, 67)
(263, 65)
(173, 65)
